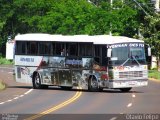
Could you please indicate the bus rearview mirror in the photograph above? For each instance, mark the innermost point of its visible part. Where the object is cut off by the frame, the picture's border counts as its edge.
(109, 52)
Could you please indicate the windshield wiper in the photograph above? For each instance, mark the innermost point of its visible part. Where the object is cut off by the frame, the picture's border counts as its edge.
(125, 62)
(129, 59)
(136, 60)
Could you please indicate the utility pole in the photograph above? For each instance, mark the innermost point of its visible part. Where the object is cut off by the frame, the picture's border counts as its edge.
(111, 2)
(140, 7)
(156, 5)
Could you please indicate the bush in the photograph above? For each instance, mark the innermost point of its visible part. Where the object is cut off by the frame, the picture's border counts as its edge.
(154, 74)
(154, 69)
(4, 61)
(2, 85)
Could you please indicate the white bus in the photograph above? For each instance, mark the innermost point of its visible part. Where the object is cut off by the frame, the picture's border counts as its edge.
(93, 62)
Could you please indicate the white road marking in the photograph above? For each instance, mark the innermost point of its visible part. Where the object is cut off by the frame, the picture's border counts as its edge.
(114, 118)
(28, 91)
(133, 95)
(15, 98)
(2, 103)
(9, 100)
(21, 95)
(18, 96)
(129, 105)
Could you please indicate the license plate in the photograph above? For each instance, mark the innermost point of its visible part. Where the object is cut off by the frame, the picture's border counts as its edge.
(132, 83)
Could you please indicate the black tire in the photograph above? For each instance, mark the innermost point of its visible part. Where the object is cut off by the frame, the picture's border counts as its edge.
(100, 89)
(44, 86)
(66, 87)
(36, 81)
(125, 89)
(93, 84)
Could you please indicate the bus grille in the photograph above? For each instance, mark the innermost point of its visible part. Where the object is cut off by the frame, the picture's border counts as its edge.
(130, 74)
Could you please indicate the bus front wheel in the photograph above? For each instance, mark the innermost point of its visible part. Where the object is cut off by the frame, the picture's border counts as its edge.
(36, 81)
(125, 89)
(92, 84)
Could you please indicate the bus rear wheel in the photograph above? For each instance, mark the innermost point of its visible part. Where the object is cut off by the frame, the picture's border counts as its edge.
(93, 84)
(36, 81)
(125, 89)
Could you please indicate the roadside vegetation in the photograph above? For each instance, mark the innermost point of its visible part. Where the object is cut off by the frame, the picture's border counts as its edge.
(4, 61)
(74, 17)
(2, 86)
(154, 74)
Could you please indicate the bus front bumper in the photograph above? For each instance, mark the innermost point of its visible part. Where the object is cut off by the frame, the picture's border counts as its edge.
(126, 83)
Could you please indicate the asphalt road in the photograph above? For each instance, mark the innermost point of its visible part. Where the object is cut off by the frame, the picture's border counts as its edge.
(21, 99)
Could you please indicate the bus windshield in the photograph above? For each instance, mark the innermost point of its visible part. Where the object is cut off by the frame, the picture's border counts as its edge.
(128, 54)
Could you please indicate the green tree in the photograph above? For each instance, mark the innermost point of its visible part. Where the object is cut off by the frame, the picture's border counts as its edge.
(151, 32)
(68, 17)
(5, 15)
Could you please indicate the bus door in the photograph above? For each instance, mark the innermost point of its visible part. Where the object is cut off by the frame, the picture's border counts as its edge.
(65, 77)
(55, 78)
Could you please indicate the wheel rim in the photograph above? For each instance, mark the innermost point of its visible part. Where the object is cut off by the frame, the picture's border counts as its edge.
(94, 83)
(37, 80)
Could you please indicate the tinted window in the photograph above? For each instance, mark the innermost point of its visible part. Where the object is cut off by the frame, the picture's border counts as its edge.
(97, 50)
(72, 49)
(32, 48)
(44, 48)
(85, 49)
(97, 53)
(59, 49)
(20, 48)
(104, 56)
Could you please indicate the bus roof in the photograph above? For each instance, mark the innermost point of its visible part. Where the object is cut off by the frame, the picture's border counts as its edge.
(95, 39)
(49, 37)
(107, 39)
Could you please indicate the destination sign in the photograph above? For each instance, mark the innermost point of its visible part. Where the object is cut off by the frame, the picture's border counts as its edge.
(74, 62)
(27, 59)
(126, 45)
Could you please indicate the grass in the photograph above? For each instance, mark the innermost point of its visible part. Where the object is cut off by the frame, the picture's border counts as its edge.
(2, 86)
(4, 61)
(154, 74)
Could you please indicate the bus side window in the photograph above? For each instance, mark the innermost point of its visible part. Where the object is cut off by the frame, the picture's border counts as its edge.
(97, 54)
(32, 48)
(20, 48)
(44, 48)
(88, 49)
(104, 56)
(53, 48)
(59, 49)
(71, 49)
(85, 49)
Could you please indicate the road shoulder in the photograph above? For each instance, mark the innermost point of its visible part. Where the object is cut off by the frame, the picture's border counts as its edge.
(2, 86)
(155, 80)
